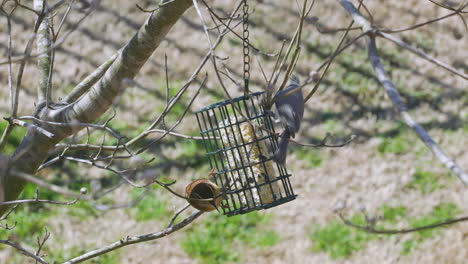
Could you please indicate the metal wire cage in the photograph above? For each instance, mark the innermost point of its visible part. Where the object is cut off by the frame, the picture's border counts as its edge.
(241, 152)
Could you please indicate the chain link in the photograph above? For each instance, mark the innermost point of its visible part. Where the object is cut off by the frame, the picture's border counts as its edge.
(246, 49)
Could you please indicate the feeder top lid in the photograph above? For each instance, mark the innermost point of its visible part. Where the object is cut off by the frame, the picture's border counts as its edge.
(225, 102)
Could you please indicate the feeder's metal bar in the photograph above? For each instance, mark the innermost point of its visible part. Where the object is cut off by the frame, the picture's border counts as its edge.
(228, 102)
(266, 174)
(281, 169)
(213, 132)
(204, 140)
(210, 147)
(273, 146)
(257, 185)
(243, 177)
(235, 147)
(244, 167)
(226, 155)
(245, 148)
(225, 113)
(215, 142)
(240, 122)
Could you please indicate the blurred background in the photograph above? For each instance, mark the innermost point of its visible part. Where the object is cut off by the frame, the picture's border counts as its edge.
(386, 171)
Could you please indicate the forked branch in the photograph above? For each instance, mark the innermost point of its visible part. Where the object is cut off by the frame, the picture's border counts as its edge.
(392, 92)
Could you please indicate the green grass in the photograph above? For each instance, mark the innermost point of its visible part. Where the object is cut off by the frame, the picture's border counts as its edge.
(424, 181)
(465, 127)
(393, 214)
(179, 108)
(59, 255)
(123, 129)
(192, 153)
(311, 156)
(219, 239)
(340, 240)
(15, 137)
(82, 209)
(440, 213)
(400, 144)
(151, 207)
(31, 218)
(108, 258)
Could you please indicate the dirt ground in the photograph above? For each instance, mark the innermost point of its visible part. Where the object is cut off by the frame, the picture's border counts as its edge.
(357, 173)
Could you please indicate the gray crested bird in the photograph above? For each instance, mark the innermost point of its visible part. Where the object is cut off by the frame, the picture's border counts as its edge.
(289, 104)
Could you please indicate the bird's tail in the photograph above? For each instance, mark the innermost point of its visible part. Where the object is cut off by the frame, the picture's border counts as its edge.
(280, 153)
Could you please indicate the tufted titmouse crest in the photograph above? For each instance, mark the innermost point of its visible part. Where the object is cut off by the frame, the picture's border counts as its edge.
(290, 107)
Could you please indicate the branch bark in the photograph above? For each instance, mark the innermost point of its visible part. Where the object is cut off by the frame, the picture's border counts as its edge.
(45, 58)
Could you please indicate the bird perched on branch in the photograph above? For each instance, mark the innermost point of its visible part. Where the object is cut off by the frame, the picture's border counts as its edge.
(289, 104)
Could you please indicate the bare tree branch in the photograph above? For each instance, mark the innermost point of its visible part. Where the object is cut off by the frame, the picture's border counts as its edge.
(398, 102)
(37, 200)
(27, 54)
(23, 251)
(18, 122)
(45, 59)
(119, 147)
(422, 54)
(455, 12)
(136, 239)
(41, 242)
(14, 104)
(48, 186)
(384, 79)
(90, 80)
(370, 228)
(167, 108)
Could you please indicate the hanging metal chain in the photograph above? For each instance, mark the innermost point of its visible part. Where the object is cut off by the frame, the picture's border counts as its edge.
(246, 49)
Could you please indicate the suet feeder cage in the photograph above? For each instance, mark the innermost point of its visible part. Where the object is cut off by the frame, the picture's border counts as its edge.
(240, 140)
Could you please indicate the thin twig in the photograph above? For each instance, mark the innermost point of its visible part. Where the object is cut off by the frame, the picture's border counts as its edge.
(329, 62)
(220, 19)
(132, 203)
(13, 105)
(323, 143)
(178, 121)
(27, 53)
(371, 229)
(41, 130)
(23, 250)
(90, 80)
(133, 240)
(114, 148)
(41, 242)
(46, 185)
(37, 200)
(171, 222)
(422, 54)
(154, 9)
(5, 217)
(455, 12)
